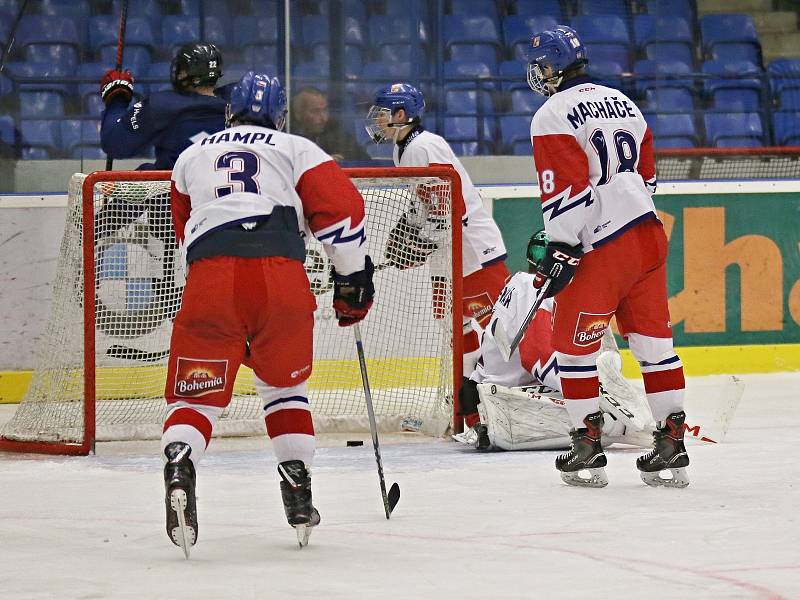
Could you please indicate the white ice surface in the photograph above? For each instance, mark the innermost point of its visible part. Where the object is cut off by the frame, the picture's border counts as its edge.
(468, 525)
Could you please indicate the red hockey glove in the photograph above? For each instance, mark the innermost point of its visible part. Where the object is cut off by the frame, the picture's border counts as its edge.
(353, 294)
(116, 84)
(559, 264)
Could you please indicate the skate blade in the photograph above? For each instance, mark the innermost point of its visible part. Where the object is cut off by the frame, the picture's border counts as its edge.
(303, 533)
(182, 535)
(596, 479)
(679, 479)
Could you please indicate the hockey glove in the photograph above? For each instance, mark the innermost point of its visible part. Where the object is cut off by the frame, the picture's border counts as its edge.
(406, 247)
(558, 265)
(353, 294)
(116, 84)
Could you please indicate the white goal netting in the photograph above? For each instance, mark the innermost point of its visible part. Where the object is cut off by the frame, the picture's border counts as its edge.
(408, 334)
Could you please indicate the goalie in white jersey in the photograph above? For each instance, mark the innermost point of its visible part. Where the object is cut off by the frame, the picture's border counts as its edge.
(396, 115)
(519, 400)
(606, 256)
(243, 202)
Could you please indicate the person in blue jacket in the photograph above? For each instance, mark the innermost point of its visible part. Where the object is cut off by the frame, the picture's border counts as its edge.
(169, 120)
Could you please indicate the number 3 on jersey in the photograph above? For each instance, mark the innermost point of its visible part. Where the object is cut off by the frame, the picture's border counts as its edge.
(242, 168)
(624, 147)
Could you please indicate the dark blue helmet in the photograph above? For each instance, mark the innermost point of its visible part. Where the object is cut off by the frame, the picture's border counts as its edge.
(390, 99)
(258, 99)
(561, 50)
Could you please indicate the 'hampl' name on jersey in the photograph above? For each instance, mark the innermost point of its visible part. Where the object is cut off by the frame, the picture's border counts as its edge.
(250, 137)
(609, 108)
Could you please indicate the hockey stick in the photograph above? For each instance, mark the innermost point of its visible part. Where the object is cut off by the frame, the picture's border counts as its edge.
(391, 499)
(123, 21)
(501, 336)
(12, 35)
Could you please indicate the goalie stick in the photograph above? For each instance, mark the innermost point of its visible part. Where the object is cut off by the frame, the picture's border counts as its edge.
(501, 335)
(391, 499)
(123, 21)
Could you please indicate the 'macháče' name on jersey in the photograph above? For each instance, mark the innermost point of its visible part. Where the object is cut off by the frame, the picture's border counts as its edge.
(594, 158)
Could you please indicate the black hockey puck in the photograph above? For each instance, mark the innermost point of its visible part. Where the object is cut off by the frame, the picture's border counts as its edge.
(355, 443)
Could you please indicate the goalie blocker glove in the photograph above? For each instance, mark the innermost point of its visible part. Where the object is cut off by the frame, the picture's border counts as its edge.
(558, 265)
(353, 294)
(116, 84)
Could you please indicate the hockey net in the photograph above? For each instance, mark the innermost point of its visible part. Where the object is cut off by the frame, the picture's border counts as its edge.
(101, 366)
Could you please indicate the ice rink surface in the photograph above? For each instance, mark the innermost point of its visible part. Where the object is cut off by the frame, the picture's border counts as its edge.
(468, 525)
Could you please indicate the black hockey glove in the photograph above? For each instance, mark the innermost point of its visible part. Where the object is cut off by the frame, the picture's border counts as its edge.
(468, 398)
(406, 247)
(353, 294)
(558, 265)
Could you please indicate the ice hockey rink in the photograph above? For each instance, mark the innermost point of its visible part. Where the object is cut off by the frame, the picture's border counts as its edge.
(468, 525)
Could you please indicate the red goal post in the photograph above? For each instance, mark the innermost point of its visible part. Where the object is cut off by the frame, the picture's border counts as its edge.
(101, 366)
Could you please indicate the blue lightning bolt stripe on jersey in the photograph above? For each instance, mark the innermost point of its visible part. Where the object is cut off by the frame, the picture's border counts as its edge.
(170, 121)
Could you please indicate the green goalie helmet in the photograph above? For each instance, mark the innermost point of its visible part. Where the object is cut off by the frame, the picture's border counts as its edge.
(536, 248)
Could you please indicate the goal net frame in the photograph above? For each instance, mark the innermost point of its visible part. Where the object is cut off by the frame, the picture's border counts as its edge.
(445, 173)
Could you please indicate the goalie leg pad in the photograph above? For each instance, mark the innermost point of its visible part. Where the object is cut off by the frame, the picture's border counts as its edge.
(523, 420)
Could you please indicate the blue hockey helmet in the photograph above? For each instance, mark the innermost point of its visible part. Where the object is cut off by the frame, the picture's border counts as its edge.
(258, 99)
(390, 99)
(558, 49)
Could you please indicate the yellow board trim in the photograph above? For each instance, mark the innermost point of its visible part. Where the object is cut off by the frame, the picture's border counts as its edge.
(409, 372)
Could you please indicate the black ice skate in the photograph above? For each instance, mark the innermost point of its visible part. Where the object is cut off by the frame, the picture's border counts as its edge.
(482, 443)
(668, 454)
(179, 481)
(586, 454)
(296, 494)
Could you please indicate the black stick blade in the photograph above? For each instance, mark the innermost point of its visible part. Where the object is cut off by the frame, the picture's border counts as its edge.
(394, 497)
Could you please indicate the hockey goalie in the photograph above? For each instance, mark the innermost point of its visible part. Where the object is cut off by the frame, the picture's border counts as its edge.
(517, 404)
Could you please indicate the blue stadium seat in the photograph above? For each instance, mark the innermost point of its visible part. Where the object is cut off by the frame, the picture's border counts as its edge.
(729, 100)
(8, 133)
(316, 30)
(606, 72)
(461, 129)
(157, 76)
(215, 8)
(665, 143)
(87, 153)
(68, 8)
(732, 129)
(681, 127)
(515, 134)
(787, 128)
(465, 148)
(10, 7)
(472, 32)
(39, 76)
(482, 53)
(609, 53)
(526, 101)
(351, 8)
(734, 52)
(390, 30)
(468, 75)
(379, 151)
(398, 53)
(482, 8)
(515, 74)
(618, 8)
(179, 30)
(518, 31)
(734, 74)
(381, 72)
(648, 29)
(784, 73)
(677, 8)
(134, 59)
(93, 106)
(657, 73)
(216, 31)
(41, 134)
(670, 51)
(45, 31)
(789, 99)
(666, 100)
(41, 105)
(140, 8)
(6, 85)
(526, 8)
(468, 102)
(726, 29)
(254, 30)
(259, 56)
(59, 54)
(79, 132)
(89, 75)
(606, 38)
(104, 31)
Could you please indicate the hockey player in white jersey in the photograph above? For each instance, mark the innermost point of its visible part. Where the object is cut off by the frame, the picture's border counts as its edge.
(396, 115)
(243, 201)
(606, 256)
(520, 400)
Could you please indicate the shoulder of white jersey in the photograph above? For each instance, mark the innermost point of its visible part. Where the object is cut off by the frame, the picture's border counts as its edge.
(546, 120)
(520, 278)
